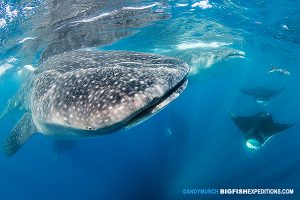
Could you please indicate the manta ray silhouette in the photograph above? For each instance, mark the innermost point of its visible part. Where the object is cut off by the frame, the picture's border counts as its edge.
(261, 94)
(62, 145)
(258, 128)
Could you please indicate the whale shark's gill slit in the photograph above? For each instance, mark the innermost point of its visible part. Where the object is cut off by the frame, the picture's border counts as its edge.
(148, 111)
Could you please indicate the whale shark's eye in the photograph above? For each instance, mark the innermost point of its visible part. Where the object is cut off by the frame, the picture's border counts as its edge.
(88, 127)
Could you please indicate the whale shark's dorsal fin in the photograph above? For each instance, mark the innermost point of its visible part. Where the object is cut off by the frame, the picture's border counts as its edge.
(19, 135)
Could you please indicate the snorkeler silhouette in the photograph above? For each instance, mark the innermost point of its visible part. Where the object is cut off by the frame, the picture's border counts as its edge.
(280, 71)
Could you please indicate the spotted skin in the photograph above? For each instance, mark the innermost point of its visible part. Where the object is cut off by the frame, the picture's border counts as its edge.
(96, 90)
(19, 135)
(88, 93)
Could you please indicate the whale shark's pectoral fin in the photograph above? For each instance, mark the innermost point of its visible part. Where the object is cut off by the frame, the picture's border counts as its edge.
(19, 135)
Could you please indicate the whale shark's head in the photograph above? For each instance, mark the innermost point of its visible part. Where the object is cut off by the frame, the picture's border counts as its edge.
(95, 92)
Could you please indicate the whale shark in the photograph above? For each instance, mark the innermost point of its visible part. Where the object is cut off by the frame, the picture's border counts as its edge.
(261, 94)
(81, 93)
(259, 128)
(58, 26)
(204, 60)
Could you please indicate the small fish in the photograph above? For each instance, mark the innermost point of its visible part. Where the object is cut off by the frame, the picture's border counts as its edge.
(279, 70)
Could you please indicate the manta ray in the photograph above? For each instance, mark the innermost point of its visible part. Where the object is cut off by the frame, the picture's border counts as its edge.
(80, 94)
(261, 95)
(258, 128)
(62, 145)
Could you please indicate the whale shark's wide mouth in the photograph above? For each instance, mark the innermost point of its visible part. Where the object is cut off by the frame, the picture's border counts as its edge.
(156, 106)
(239, 54)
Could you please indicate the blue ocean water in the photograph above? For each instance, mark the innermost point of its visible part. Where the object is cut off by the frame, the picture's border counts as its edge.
(192, 143)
